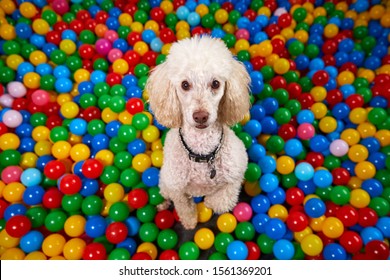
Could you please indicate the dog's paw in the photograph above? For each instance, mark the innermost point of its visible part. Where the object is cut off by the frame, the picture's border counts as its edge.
(189, 222)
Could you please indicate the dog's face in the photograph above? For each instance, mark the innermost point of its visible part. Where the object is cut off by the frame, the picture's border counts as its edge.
(199, 83)
(199, 95)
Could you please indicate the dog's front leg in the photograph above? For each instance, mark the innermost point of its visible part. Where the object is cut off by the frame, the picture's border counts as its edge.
(224, 199)
(186, 210)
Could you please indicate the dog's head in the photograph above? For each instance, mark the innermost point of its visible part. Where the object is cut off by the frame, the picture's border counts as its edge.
(199, 83)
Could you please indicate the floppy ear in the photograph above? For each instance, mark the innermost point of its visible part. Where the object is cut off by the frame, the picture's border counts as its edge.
(235, 103)
(162, 97)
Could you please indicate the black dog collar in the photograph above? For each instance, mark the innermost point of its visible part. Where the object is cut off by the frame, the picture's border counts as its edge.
(209, 158)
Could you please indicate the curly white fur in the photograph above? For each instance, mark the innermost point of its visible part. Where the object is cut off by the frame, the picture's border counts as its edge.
(200, 62)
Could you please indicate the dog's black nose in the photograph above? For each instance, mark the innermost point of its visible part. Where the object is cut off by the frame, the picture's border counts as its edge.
(200, 117)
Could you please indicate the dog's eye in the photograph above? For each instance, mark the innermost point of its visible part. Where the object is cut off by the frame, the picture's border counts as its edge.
(185, 85)
(215, 84)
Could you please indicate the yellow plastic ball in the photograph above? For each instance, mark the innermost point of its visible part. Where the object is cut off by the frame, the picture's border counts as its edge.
(327, 124)
(150, 134)
(9, 141)
(125, 19)
(358, 153)
(319, 110)
(106, 157)
(227, 222)
(204, 213)
(264, 11)
(7, 32)
(228, 28)
(74, 225)
(278, 211)
(40, 26)
(80, 152)
(204, 238)
(183, 34)
(265, 48)
(7, 241)
(114, 192)
(81, 75)
(14, 254)
(281, 66)
(302, 35)
(383, 136)
(108, 115)
(287, 33)
(167, 6)
(202, 10)
(28, 10)
(182, 25)
(157, 158)
(152, 25)
(74, 248)
(141, 47)
(13, 192)
(53, 245)
(8, 6)
(141, 162)
(68, 46)
(359, 198)
(36, 256)
(61, 149)
(351, 136)
(28, 160)
(149, 248)
(331, 30)
(366, 129)
(40, 133)
(13, 61)
(332, 227)
(365, 170)
(221, 16)
(316, 223)
(42, 148)
(312, 245)
(345, 78)
(285, 165)
(32, 80)
(252, 188)
(318, 93)
(69, 110)
(242, 45)
(354, 183)
(358, 115)
(376, 12)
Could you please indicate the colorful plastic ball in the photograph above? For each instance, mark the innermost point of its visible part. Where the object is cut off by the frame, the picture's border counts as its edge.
(12, 118)
(204, 238)
(369, 234)
(305, 131)
(31, 177)
(189, 251)
(237, 250)
(137, 198)
(242, 211)
(315, 207)
(304, 171)
(275, 228)
(226, 223)
(32, 241)
(283, 249)
(339, 148)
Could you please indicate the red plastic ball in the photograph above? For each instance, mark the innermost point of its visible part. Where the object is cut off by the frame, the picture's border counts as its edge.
(141, 256)
(294, 196)
(70, 184)
(351, 242)
(94, 251)
(54, 169)
(367, 217)
(86, 51)
(138, 198)
(134, 105)
(297, 221)
(116, 232)
(164, 219)
(52, 198)
(101, 17)
(278, 82)
(17, 226)
(254, 252)
(169, 255)
(3, 206)
(92, 168)
(354, 101)
(315, 159)
(320, 78)
(133, 38)
(157, 14)
(284, 20)
(377, 250)
(91, 113)
(53, 37)
(258, 62)
(334, 97)
(348, 215)
(287, 131)
(167, 36)
(331, 209)
(341, 176)
(132, 57)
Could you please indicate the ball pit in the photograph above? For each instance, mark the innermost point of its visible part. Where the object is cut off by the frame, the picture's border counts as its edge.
(80, 151)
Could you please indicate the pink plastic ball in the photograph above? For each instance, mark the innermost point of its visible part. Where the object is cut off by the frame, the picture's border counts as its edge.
(280, 11)
(60, 6)
(11, 174)
(40, 97)
(242, 212)
(16, 89)
(12, 118)
(103, 46)
(6, 100)
(242, 34)
(305, 131)
(114, 54)
(111, 35)
(339, 148)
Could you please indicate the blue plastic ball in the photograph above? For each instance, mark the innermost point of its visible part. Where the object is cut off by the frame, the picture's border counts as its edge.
(304, 171)
(283, 250)
(150, 177)
(371, 233)
(267, 164)
(95, 226)
(314, 208)
(275, 229)
(133, 225)
(237, 250)
(31, 177)
(322, 178)
(293, 147)
(253, 128)
(31, 242)
(33, 195)
(269, 182)
(78, 126)
(334, 251)
(260, 203)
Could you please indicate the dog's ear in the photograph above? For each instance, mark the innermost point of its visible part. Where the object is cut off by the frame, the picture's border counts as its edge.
(235, 103)
(162, 97)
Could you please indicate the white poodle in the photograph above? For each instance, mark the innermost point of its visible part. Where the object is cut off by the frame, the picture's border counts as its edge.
(198, 92)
